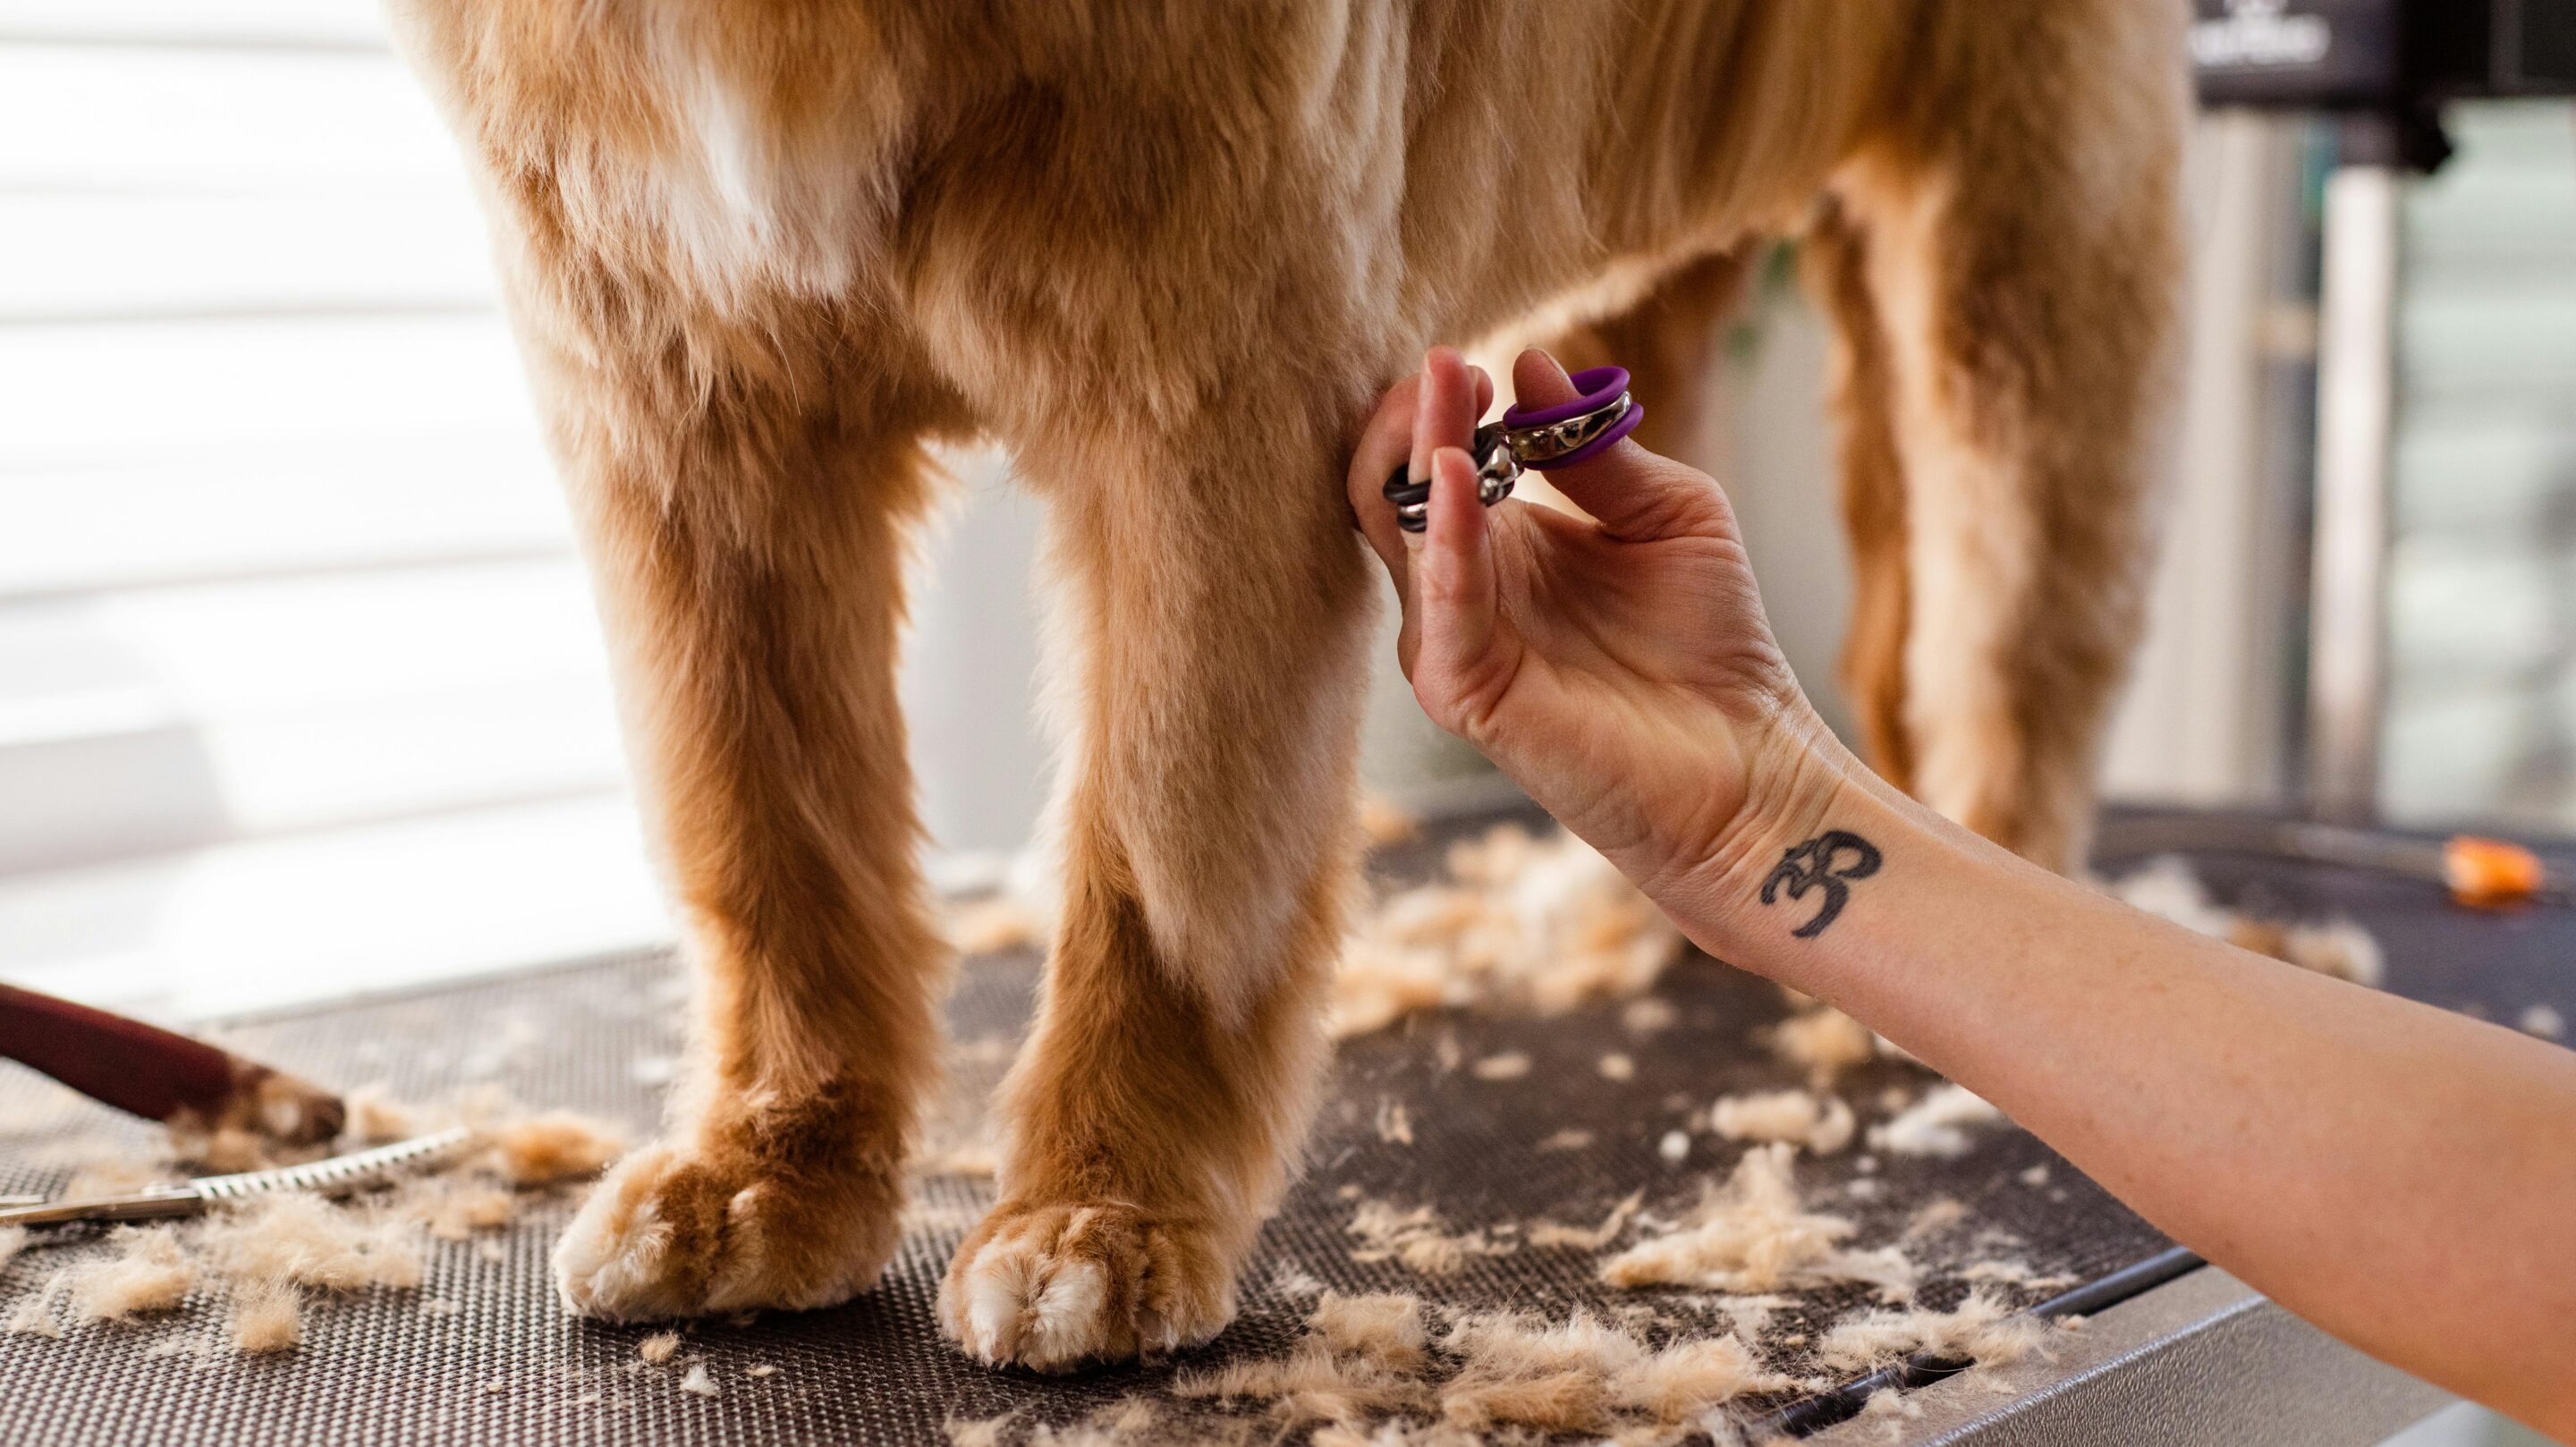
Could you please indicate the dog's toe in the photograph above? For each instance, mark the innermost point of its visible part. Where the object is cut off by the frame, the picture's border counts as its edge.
(1051, 1287)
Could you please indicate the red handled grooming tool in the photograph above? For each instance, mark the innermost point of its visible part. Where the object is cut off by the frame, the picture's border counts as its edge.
(159, 1074)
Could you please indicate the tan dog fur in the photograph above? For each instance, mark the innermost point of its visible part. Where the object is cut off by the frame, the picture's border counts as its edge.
(760, 253)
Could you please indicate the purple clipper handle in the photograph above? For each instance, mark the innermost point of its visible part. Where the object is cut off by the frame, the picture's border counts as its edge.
(1601, 388)
(1542, 438)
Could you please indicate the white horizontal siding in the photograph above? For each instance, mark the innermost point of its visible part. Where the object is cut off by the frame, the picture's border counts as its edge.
(300, 690)
(193, 121)
(83, 255)
(281, 644)
(280, 553)
(89, 394)
(196, 23)
(250, 708)
(249, 510)
(261, 922)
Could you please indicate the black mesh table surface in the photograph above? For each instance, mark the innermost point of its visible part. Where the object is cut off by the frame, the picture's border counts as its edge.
(508, 1366)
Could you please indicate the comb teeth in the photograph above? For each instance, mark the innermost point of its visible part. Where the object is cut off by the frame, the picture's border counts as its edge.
(338, 1173)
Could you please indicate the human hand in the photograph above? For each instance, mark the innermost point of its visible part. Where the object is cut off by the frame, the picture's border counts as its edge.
(1621, 672)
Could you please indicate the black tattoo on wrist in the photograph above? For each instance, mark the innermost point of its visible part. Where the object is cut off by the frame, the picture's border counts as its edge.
(1829, 862)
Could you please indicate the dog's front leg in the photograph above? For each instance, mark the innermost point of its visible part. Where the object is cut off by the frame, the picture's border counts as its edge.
(1221, 608)
(743, 484)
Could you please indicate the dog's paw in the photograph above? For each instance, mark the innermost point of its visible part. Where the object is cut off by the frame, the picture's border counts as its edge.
(679, 1231)
(1053, 1286)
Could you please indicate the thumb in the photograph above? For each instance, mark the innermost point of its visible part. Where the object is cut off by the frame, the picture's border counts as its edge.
(1634, 494)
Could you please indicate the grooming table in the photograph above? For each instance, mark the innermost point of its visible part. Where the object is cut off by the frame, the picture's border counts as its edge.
(2168, 1354)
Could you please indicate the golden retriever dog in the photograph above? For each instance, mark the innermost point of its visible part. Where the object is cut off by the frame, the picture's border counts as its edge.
(762, 254)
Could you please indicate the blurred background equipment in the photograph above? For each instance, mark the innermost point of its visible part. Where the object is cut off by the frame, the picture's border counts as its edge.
(2386, 70)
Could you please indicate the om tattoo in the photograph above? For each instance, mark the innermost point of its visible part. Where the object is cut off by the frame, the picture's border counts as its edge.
(1829, 862)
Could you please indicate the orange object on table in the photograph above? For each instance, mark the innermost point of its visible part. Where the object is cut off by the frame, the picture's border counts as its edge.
(2490, 873)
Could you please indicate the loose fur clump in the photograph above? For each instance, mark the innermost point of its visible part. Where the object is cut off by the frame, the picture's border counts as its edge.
(1890, 1408)
(1524, 923)
(2168, 888)
(1937, 1217)
(1589, 1238)
(1935, 1125)
(1361, 1358)
(122, 1177)
(1127, 1422)
(228, 1149)
(376, 1115)
(149, 1272)
(1683, 1382)
(558, 1145)
(1752, 1236)
(980, 1159)
(993, 924)
(977, 1431)
(2007, 1272)
(305, 1240)
(658, 1348)
(451, 1210)
(1394, 1122)
(265, 1318)
(35, 1314)
(1823, 1124)
(1419, 1239)
(1983, 1329)
(521, 1147)
(2339, 948)
(1309, 1384)
(1584, 1375)
(1385, 1327)
(1750, 1317)
(1366, 1369)
(256, 1258)
(1384, 822)
(1824, 1042)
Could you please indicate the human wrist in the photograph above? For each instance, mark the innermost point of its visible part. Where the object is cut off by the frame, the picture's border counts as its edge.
(1798, 786)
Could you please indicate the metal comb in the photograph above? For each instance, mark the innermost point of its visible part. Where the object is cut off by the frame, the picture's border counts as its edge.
(331, 1176)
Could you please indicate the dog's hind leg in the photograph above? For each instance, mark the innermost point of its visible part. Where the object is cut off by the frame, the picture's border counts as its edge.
(1219, 599)
(742, 485)
(1834, 257)
(2024, 248)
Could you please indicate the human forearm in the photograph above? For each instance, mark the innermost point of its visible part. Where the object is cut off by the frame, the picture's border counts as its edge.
(2401, 1176)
